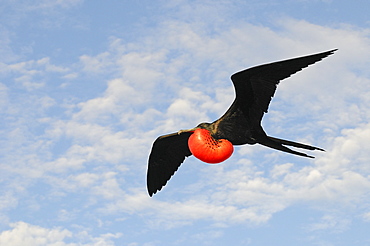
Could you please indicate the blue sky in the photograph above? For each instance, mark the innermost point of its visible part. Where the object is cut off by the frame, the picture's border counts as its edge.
(86, 87)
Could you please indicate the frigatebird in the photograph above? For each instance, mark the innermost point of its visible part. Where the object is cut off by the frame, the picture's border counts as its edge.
(241, 124)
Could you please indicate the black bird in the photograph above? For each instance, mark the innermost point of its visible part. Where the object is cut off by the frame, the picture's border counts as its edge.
(241, 124)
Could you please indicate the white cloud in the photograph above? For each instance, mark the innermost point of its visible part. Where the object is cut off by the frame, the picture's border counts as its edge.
(31, 235)
(175, 213)
(349, 150)
(26, 234)
(332, 223)
(32, 74)
(95, 64)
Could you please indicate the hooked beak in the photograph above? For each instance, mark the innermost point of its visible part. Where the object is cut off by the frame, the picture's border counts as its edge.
(188, 130)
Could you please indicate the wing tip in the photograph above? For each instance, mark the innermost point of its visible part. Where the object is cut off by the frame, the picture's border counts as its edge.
(330, 52)
(152, 190)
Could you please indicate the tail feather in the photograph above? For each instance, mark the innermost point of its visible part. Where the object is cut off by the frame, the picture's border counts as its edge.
(294, 144)
(278, 144)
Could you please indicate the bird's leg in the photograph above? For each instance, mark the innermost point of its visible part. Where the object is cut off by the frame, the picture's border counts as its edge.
(188, 130)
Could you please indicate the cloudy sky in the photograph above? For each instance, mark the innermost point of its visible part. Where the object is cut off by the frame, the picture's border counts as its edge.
(86, 87)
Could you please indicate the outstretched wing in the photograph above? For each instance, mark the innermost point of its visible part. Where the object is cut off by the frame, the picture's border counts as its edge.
(256, 86)
(168, 152)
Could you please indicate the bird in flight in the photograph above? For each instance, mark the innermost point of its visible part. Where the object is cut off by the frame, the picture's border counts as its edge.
(241, 124)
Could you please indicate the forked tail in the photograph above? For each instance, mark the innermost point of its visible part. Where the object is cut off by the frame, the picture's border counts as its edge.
(278, 144)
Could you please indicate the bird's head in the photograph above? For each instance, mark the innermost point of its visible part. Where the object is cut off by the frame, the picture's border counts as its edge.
(205, 125)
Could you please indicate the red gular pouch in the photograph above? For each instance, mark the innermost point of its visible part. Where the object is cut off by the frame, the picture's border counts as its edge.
(204, 147)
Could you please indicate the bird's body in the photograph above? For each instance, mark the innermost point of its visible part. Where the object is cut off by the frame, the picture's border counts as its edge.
(241, 124)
